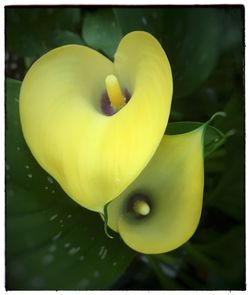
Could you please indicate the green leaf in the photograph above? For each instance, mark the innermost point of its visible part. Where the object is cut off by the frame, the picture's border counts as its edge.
(51, 242)
(213, 137)
(101, 31)
(60, 38)
(165, 272)
(229, 194)
(190, 36)
(222, 259)
(31, 31)
(233, 28)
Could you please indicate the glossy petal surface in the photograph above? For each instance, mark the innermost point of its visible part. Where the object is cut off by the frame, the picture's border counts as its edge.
(95, 157)
(173, 182)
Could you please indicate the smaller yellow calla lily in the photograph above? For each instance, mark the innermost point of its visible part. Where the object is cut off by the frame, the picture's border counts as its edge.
(161, 209)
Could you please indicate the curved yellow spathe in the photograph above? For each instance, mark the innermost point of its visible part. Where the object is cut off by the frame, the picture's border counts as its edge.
(94, 157)
(172, 186)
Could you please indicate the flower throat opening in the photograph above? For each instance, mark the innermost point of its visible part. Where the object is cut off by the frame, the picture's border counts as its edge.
(114, 98)
(138, 205)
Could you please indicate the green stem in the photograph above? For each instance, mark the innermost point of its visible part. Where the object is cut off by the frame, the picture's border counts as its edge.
(105, 217)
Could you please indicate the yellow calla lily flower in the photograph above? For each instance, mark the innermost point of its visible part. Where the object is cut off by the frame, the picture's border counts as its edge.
(161, 209)
(93, 124)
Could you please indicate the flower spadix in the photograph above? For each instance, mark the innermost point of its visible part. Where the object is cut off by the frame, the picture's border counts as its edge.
(161, 209)
(93, 124)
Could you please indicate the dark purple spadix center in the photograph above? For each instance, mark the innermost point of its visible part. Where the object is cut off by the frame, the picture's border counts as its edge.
(106, 107)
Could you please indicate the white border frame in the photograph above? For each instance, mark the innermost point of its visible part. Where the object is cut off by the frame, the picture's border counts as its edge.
(2, 118)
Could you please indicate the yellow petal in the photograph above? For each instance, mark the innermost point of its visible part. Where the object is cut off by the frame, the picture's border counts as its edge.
(172, 186)
(94, 157)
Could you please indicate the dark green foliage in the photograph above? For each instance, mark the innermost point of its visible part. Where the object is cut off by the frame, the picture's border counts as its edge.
(30, 32)
(101, 31)
(51, 242)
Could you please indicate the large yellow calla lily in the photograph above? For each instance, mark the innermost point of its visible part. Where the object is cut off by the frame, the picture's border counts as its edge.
(66, 101)
(161, 209)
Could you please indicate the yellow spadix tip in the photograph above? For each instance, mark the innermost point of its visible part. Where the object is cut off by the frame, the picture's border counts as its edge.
(115, 95)
(141, 208)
